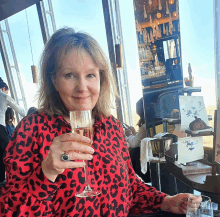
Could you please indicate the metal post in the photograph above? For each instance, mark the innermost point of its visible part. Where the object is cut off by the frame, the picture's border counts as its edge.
(42, 15)
(8, 68)
(125, 74)
(158, 174)
(217, 75)
(109, 35)
(16, 65)
(52, 15)
(43, 21)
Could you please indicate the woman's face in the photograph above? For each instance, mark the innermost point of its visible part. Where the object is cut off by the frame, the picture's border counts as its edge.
(78, 81)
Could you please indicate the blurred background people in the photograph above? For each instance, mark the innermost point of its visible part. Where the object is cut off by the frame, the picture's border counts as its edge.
(32, 110)
(134, 140)
(9, 121)
(5, 101)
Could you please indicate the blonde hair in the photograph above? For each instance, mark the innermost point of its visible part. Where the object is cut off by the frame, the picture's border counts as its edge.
(61, 43)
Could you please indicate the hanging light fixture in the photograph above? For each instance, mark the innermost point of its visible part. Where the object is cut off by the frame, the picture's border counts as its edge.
(158, 15)
(145, 13)
(175, 14)
(171, 2)
(160, 5)
(167, 9)
(151, 23)
(33, 67)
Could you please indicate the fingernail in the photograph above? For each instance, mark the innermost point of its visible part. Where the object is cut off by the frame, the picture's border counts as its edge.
(91, 150)
(90, 157)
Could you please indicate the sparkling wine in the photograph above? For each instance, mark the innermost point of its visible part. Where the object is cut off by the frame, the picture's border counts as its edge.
(81, 123)
(84, 131)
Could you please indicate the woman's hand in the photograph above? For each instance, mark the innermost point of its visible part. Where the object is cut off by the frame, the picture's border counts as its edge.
(75, 145)
(130, 130)
(177, 203)
(133, 130)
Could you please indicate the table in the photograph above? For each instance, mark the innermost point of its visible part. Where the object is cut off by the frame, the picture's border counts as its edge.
(205, 183)
(159, 214)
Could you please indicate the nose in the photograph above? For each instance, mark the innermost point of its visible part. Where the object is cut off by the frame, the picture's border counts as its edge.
(81, 84)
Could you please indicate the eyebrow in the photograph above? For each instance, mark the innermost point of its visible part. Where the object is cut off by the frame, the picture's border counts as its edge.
(73, 70)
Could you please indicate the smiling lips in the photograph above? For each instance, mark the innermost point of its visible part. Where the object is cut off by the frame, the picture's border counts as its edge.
(81, 98)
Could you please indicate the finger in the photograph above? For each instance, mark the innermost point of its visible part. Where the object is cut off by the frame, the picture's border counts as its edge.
(79, 156)
(182, 210)
(192, 207)
(184, 206)
(76, 146)
(197, 199)
(73, 137)
(194, 201)
(71, 164)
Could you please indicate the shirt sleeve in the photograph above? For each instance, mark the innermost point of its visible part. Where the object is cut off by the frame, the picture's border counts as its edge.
(15, 106)
(146, 199)
(26, 184)
(135, 140)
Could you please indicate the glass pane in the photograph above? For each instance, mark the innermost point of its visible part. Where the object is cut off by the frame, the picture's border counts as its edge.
(82, 15)
(24, 48)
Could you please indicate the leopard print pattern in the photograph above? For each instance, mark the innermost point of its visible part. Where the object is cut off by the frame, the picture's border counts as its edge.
(29, 193)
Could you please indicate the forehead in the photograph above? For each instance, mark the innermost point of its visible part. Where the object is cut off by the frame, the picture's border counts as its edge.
(77, 57)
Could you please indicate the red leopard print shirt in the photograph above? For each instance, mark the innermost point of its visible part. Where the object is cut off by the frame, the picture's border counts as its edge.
(29, 193)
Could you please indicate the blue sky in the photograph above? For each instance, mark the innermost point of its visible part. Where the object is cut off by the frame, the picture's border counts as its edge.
(197, 39)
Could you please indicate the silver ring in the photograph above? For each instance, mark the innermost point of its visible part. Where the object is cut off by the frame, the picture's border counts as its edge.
(65, 157)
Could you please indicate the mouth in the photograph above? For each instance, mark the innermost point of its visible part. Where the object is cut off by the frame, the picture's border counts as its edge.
(81, 98)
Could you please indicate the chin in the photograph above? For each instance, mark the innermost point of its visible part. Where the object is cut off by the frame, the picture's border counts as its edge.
(80, 109)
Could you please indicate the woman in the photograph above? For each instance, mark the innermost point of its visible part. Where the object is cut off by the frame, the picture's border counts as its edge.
(32, 110)
(9, 121)
(134, 140)
(5, 101)
(75, 76)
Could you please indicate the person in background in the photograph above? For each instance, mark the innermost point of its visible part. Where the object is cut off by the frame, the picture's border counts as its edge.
(9, 121)
(32, 110)
(5, 101)
(75, 75)
(134, 140)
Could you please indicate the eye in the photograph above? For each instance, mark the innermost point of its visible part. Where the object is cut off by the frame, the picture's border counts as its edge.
(91, 75)
(68, 75)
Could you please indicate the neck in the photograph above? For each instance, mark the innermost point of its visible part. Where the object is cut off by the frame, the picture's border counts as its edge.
(67, 118)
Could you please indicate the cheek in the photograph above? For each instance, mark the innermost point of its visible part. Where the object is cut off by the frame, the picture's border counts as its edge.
(95, 87)
(98, 87)
(65, 93)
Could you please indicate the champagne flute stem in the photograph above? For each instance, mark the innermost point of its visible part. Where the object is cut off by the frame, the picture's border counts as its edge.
(87, 176)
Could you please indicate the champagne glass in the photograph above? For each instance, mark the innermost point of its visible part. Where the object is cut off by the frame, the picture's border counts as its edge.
(81, 123)
(199, 209)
